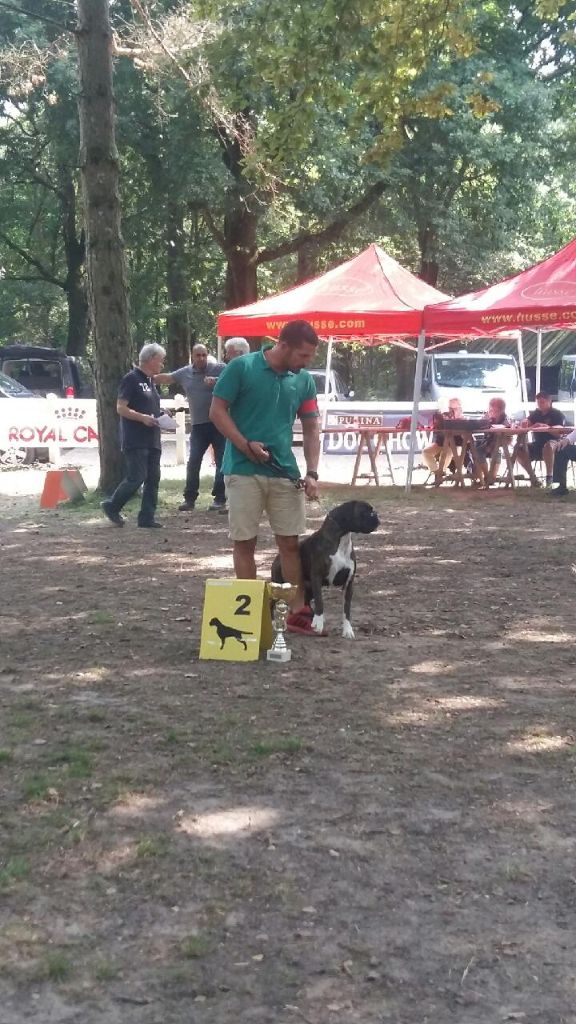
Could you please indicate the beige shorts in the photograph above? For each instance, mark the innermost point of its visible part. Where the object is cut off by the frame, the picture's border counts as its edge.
(250, 496)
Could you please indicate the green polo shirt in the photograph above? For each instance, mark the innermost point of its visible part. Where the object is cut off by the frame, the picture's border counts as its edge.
(264, 405)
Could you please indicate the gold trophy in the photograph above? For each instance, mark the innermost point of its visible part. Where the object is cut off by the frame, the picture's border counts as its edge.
(282, 594)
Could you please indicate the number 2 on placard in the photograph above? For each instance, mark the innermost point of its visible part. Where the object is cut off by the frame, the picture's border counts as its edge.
(243, 601)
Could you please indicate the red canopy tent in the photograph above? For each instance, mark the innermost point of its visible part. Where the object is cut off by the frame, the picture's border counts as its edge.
(542, 298)
(368, 298)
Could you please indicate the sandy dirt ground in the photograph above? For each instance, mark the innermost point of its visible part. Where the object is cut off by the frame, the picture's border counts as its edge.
(380, 831)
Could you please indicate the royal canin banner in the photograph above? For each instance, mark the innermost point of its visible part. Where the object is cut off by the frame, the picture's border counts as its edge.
(42, 422)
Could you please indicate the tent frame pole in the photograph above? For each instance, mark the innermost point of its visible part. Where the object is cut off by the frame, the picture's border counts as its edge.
(522, 373)
(538, 359)
(219, 348)
(324, 417)
(415, 404)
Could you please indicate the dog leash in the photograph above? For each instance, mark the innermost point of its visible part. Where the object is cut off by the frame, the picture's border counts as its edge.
(274, 465)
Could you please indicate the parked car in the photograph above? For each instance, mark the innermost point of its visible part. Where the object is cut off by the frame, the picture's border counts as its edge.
(10, 388)
(474, 378)
(337, 391)
(47, 371)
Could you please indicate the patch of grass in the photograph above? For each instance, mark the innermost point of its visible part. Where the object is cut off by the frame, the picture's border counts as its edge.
(276, 745)
(106, 970)
(22, 720)
(151, 847)
(102, 618)
(96, 715)
(195, 946)
(15, 870)
(57, 967)
(172, 738)
(37, 787)
(6, 757)
(77, 760)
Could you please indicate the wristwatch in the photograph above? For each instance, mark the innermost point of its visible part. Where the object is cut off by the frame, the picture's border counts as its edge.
(312, 474)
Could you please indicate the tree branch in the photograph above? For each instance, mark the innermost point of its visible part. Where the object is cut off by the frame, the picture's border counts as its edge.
(45, 273)
(328, 234)
(215, 231)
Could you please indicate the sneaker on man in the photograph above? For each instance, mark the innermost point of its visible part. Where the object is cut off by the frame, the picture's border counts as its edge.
(187, 506)
(110, 514)
(301, 622)
(218, 505)
(559, 492)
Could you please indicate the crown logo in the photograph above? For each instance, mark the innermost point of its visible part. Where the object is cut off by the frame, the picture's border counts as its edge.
(69, 413)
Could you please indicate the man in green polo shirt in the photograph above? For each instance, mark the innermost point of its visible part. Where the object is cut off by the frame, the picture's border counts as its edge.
(255, 402)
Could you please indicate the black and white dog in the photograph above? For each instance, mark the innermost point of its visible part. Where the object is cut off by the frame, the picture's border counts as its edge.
(328, 558)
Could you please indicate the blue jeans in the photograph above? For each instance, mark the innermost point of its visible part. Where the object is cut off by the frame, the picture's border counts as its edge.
(202, 435)
(142, 467)
(561, 460)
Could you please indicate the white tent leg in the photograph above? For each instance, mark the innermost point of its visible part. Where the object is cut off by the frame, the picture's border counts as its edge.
(538, 359)
(415, 402)
(219, 349)
(522, 376)
(326, 394)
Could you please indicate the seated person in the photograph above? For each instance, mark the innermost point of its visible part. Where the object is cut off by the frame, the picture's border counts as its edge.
(432, 452)
(488, 447)
(564, 452)
(540, 449)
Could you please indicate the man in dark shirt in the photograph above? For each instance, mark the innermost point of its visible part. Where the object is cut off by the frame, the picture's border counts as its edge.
(138, 407)
(540, 449)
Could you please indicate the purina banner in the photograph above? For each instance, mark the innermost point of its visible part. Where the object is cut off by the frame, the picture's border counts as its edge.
(345, 440)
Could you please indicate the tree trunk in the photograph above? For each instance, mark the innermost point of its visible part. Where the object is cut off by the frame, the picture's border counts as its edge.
(77, 314)
(427, 242)
(306, 262)
(75, 252)
(107, 285)
(404, 366)
(240, 227)
(177, 324)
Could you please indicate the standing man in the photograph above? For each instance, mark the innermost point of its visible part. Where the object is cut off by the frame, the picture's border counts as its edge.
(256, 400)
(540, 449)
(235, 347)
(138, 407)
(198, 381)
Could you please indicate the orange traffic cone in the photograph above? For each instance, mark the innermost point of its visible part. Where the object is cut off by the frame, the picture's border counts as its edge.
(62, 485)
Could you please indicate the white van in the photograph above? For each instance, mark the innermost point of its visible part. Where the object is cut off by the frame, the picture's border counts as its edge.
(474, 378)
(567, 379)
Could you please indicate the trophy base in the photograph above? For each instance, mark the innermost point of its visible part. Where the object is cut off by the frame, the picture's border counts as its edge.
(273, 655)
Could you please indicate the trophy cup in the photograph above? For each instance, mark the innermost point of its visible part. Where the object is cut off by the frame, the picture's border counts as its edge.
(281, 593)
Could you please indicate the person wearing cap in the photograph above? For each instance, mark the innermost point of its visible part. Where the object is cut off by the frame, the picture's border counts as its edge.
(541, 448)
(198, 379)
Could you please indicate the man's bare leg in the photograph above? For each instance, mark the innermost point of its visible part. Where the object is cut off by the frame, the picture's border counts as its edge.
(244, 561)
(548, 456)
(291, 566)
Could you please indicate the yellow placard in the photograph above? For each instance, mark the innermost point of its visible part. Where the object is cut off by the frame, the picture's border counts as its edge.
(236, 622)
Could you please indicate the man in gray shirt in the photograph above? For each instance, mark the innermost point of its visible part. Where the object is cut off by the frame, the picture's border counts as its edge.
(198, 379)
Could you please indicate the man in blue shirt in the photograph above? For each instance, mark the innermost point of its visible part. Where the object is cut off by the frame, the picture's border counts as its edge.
(198, 381)
(138, 407)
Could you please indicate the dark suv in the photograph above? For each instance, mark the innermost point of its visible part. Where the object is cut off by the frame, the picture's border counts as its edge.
(47, 371)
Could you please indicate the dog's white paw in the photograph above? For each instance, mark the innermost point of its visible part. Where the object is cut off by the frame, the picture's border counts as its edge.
(347, 631)
(318, 623)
